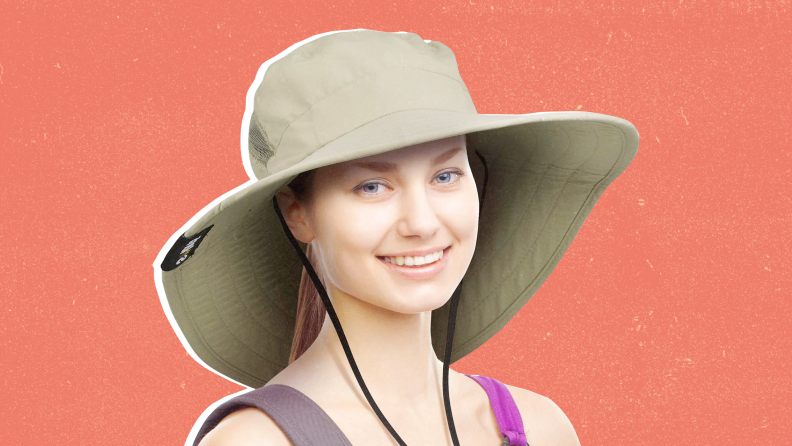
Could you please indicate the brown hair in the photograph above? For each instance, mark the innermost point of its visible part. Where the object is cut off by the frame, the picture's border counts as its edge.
(310, 309)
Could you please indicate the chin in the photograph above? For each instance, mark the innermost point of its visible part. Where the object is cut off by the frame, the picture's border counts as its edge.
(417, 302)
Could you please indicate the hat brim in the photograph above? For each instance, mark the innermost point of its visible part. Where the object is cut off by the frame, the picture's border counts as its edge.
(235, 298)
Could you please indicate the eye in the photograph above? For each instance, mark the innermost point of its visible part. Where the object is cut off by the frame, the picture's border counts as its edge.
(369, 189)
(372, 188)
(447, 177)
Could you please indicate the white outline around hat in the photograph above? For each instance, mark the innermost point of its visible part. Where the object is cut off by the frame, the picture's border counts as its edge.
(252, 180)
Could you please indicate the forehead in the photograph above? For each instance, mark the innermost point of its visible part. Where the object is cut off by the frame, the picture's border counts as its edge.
(429, 153)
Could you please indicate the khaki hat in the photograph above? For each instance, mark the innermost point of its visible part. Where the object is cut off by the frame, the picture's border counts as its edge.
(231, 279)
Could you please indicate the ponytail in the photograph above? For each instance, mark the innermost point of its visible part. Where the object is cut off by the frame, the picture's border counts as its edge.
(310, 309)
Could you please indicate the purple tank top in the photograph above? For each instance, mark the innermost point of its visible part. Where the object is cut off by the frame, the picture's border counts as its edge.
(306, 424)
(506, 412)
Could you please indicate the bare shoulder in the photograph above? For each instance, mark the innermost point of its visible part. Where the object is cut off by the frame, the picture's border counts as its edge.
(545, 423)
(246, 427)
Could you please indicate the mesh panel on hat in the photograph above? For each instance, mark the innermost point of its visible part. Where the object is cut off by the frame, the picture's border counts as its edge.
(258, 142)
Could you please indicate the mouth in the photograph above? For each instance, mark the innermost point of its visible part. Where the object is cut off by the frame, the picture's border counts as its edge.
(417, 267)
(415, 261)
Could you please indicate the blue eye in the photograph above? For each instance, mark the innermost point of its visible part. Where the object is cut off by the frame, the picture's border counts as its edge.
(371, 189)
(368, 188)
(445, 174)
(448, 175)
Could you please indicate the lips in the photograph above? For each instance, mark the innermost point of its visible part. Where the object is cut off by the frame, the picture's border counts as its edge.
(414, 260)
(426, 271)
(417, 252)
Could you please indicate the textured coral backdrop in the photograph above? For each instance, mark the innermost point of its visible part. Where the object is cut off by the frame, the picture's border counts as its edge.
(667, 322)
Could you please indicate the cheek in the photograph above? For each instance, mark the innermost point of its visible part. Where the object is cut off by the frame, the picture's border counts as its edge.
(366, 224)
(362, 230)
(461, 215)
(349, 239)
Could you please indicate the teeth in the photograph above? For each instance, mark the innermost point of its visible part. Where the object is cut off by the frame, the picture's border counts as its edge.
(415, 260)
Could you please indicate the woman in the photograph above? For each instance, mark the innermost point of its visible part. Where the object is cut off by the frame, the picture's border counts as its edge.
(420, 227)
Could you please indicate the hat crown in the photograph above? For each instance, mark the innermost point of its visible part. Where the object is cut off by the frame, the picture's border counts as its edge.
(329, 86)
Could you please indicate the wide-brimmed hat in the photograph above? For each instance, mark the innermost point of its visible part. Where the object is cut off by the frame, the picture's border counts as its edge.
(231, 278)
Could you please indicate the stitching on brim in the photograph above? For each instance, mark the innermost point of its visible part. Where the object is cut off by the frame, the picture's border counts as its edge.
(485, 331)
(215, 302)
(245, 234)
(201, 337)
(244, 342)
(527, 205)
(496, 289)
(224, 250)
(480, 302)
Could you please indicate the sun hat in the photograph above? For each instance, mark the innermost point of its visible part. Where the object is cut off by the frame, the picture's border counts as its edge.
(230, 277)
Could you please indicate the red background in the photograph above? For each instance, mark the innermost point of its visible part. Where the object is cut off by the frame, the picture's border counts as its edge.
(667, 322)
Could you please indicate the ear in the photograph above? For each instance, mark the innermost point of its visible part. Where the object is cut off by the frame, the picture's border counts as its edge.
(296, 215)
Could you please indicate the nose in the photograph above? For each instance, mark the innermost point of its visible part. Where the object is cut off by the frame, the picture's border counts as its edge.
(419, 217)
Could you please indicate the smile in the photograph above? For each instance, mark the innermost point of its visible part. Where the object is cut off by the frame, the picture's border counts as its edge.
(415, 260)
(417, 267)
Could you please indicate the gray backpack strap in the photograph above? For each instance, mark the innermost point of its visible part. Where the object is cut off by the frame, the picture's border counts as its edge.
(299, 417)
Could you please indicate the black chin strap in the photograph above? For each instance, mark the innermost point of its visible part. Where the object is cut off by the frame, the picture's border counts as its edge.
(340, 331)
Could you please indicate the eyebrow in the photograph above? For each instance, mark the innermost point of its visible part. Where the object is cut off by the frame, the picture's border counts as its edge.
(381, 166)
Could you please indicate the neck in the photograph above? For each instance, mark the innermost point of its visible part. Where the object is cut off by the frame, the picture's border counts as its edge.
(393, 351)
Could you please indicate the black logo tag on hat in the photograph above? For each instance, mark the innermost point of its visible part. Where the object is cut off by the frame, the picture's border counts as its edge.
(183, 249)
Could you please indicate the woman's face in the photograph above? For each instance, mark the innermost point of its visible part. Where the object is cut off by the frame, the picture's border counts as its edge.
(419, 199)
